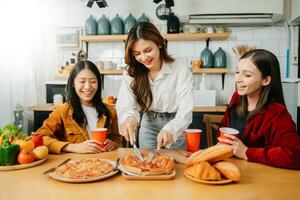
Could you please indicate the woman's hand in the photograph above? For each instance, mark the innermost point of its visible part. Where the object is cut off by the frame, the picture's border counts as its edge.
(88, 146)
(164, 139)
(129, 128)
(109, 146)
(238, 147)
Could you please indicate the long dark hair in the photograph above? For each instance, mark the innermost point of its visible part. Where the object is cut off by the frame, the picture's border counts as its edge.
(73, 98)
(268, 64)
(140, 84)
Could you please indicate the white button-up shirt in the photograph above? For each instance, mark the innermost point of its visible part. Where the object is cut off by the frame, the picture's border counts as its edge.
(171, 91)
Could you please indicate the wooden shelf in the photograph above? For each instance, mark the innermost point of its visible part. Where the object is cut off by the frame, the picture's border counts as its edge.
(195, 36)
(103, 38)
(169, 37)
(111, 71)
(210, 71)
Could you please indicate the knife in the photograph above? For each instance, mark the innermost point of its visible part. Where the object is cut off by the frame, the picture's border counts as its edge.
(53, 168)
(152, 154)
(137, 152)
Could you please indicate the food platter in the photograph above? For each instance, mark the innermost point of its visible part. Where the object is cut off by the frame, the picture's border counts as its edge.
(23, 166)
(221, 182)
(58, 177)
(132, 176)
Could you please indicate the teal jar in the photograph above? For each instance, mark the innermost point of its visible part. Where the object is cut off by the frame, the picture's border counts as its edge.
(117, 26)
(103, 26)
(143, 18)
(207, 58)
(220, 58)
(130, 22)
(91, 26)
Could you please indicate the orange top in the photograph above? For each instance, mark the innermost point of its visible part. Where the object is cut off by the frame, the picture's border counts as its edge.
(61, 129)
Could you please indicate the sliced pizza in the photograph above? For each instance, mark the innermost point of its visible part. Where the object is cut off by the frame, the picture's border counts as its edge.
(159, 165)
(84, 168)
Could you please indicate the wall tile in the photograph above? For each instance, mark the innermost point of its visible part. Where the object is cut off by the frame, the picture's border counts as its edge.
(105, 50)
(214, 46)
(109, 82)
(173, 48)
(185, 48)
(254, 43)
(198, 48)
(283, 46)
(231, 63)
(244, 33)
(117, 82)
(119, 49)
(271, 45)
(261, 33)
(279, 33)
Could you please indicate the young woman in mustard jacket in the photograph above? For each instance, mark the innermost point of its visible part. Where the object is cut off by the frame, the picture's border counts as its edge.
(68, 128)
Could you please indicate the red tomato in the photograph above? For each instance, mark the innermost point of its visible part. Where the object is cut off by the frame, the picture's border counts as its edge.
(25, 157)
(37, 140)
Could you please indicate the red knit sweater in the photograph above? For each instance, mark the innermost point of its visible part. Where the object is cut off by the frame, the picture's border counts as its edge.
(270, 135)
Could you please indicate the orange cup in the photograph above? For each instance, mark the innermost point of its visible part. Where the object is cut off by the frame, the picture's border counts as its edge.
(100, 135)
(193, 139)
(227, 130)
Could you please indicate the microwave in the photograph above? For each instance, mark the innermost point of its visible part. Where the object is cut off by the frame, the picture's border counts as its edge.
(55, 87)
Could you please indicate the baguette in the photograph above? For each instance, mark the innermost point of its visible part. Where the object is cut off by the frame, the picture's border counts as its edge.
(204, 171)
(228, 170)
(210, 154)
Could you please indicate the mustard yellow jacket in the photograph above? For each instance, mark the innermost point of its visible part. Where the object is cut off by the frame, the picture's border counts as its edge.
(61, 129)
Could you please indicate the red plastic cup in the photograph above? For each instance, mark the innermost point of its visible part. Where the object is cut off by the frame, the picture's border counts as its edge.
(227, 130)
(193, 139)
(100, 135)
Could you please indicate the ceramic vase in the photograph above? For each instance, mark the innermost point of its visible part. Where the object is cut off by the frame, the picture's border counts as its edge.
(130, 22)
(117, 26)
(91, 26)
(220, 58)
(143, 18)
(103, 26)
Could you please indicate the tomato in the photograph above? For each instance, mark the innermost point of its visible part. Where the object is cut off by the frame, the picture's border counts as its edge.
(25, 157)
(37, 140)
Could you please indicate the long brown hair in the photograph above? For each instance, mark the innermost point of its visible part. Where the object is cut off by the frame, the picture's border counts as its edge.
(73, 98)
(140, 84)
(267, 63)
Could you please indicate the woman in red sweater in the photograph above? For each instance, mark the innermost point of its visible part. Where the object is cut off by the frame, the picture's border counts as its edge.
(257, 109)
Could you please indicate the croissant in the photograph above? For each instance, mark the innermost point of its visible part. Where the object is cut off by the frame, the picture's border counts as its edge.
(228, 170)
(204, 171)
(211, 154)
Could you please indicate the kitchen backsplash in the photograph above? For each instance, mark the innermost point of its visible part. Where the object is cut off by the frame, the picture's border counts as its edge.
(273, 38)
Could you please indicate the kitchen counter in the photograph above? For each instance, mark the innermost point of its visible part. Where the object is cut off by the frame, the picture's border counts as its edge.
(258, 182)
(219, 108)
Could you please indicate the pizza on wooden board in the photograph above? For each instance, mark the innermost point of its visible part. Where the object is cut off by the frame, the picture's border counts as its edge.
(84, 168)
(159, 165)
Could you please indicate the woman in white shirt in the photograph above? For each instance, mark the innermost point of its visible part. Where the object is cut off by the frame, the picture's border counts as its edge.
(156, 91)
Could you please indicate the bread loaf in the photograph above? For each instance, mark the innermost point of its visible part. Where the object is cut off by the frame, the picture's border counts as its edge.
(228, 170)
(204, 171)
(211, 154)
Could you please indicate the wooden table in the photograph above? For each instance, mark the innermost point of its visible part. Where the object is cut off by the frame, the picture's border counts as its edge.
(259, 182)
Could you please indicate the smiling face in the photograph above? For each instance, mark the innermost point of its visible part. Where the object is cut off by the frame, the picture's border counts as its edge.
(86, 85)
(147, 53)
(249, 79)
